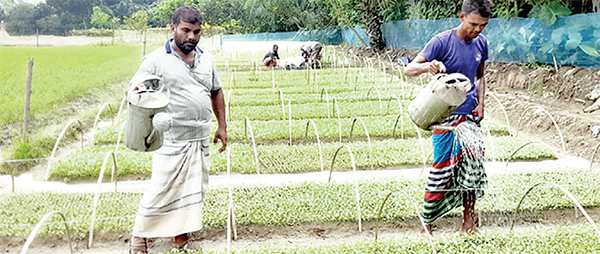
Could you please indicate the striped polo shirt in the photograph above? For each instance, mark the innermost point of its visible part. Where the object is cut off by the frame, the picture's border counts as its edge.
(190, 88)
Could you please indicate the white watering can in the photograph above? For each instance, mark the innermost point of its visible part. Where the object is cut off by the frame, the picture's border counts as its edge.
(147, 119)
(438, 99)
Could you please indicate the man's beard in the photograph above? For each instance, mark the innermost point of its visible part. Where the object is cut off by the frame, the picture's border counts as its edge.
(186, 46)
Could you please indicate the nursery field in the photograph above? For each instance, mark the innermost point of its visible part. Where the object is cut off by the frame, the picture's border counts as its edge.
(60, 74)
(339, 121)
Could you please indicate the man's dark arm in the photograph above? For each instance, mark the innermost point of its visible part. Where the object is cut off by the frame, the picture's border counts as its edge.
(218, 105)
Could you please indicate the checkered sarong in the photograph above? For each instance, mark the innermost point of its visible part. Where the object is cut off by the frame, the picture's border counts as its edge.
(457, 170)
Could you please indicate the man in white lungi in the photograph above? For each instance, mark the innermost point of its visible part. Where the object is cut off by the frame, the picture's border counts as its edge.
(172, 204)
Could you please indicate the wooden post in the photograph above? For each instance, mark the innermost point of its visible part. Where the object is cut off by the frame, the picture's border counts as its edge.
(37, 37)
(27, 99)
(144, 42)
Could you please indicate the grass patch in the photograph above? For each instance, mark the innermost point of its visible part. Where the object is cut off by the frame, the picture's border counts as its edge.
(61, 74)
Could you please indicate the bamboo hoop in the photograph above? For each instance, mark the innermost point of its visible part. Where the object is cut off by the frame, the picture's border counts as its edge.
(355, 181)
(39, 225)
(62, 133)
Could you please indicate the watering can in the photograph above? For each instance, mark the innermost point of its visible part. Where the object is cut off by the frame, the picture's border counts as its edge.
(438, 99)
(147, 119)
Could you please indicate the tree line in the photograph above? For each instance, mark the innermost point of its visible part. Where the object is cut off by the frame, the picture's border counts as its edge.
(61, 17)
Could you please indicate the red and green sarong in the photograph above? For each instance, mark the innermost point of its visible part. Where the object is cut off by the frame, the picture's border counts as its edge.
(457, 169)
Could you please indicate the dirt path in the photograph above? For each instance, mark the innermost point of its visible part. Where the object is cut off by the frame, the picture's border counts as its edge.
(314, 234)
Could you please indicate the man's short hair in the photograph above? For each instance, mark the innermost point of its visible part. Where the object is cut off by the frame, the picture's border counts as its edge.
(481, 7)
(187, 14)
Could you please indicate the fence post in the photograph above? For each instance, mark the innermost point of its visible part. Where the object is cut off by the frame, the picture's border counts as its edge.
(145, 32)
(27, 99)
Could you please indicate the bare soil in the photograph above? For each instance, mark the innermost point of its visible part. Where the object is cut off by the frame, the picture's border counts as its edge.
(311, 234)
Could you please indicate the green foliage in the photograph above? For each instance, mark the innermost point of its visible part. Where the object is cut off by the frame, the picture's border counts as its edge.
(93, 32)
(161, 15)
(99, 18)
(20, 21)
(549, 13)
(137, 21)
(435, 9)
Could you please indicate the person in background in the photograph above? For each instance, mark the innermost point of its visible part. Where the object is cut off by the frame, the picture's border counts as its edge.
(270, 59)
(459, 50)
(312, 53)
(173, 201)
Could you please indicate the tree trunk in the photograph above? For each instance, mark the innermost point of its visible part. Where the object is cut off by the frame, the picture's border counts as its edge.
(373, 28)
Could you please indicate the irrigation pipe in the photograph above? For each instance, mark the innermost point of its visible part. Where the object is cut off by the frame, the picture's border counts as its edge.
(62, 133)
(37, 227)
(524, 145)
(429, 237)
(503, 111)
(108, 155)
(590, 220)
(368, 137)
(562, 140)
(355, 181)
(318, 140)
(96, 122)
(249, 127)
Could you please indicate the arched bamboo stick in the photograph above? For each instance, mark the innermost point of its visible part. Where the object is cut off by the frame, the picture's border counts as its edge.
(62, 133)
(39, 225)
(355, 182)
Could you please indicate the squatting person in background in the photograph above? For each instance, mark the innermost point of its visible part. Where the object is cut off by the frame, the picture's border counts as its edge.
(270, 59)
(461, 50)
(173, 201)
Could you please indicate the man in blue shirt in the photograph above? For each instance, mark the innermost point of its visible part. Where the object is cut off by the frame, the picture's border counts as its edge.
(459, 50)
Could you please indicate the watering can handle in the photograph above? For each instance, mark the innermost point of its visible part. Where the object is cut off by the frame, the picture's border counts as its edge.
(160, 89)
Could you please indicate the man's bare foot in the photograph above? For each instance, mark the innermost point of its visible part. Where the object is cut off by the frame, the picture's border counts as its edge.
(183, 242)
(429, 229)
(468, 228)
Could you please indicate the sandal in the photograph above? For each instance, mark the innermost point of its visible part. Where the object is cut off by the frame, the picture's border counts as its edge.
(138, 245)
(186, 243)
